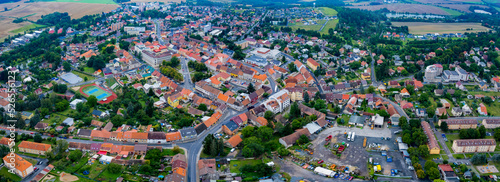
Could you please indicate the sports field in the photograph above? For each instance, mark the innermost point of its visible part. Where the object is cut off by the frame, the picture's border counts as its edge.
(425, 27)
(97, 92)
(103, 96)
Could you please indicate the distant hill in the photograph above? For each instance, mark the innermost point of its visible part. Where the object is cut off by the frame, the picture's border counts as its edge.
(8, 1)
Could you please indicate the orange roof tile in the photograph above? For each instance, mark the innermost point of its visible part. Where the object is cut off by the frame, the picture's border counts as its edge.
(138, 135)
(20, 163)
(34, 146)
(234, 140)
(173, 136)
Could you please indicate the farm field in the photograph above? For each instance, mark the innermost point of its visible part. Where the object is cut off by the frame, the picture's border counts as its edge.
(424, 27)
(81, 1)
(451, 12)
(27, 28)
(34, 11)
(409, 8)
(331, 24)
(316, 27)
(328, 11)
(461, 7)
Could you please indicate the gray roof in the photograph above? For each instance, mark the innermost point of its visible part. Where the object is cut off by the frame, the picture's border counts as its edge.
(69, 121)
(357, 119)
(448, 72)
(188, 132)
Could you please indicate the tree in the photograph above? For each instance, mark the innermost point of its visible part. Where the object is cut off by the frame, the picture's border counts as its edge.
(429, 164)
(247, 131)
(478, 159)
(496, 158)
(268, 115)
(487, 100)
(497, 134)
(264, 133)
(67, 66)
(433, 173)
(292, 68)
(250, 88)
(92, 101)
(114, 168)
(482, 131)
(423, 150)
(306, 97)
(371, 89)
(421, 174)
(283, 151)
(303, 139)
(444, 126)
(202, 107)
(247, 151)
(75, 155)
(37, 138)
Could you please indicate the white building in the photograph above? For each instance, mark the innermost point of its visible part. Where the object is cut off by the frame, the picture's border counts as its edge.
(134, 30)
(278, 101)
(73, 103)
(106, 159)
(451, 76)
(433, 72)
(462, 74)
(267, 53)
(378, 121)
(324, 172)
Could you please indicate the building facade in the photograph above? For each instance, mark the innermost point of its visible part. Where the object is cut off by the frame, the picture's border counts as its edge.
(474, 145)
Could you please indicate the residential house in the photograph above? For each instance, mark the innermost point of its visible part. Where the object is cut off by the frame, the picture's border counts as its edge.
(34, 148)
(474, 145)
(458, 124)
(16, 163)
(289, 140)
(432, 143)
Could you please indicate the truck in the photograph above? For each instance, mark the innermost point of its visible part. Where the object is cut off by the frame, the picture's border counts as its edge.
(349, 136)
(364, 142)
(352, 137)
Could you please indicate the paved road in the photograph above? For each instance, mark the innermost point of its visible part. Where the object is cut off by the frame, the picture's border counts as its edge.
(188, 83)
(323, 25)
(374, 77)
(40, 167)
(396, 106)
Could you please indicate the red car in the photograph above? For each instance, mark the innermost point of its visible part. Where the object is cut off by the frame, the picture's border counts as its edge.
(321, 161)
(328, 138)
(32, 133)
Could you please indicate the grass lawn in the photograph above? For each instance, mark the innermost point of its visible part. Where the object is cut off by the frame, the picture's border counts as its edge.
(328, 11)
(110, 81)
(169, 152)
(26, 28)
(451, 12)
(300, 25)
(55, 118)
(331, 24)
(445, 157)
(76, 166)
(108, 176)
(458, 156)
(432, 156)
(235, 165)
(89, 70)
(83, 76)
(5, 173)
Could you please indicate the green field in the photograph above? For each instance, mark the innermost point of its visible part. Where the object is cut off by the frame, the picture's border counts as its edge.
(300, 25)
(240, 163)
(331, 24)
(81, 75)
(328, 11)
(82, 1)
(97, 92)
(26, 28)
(451, 12)
(5, 173)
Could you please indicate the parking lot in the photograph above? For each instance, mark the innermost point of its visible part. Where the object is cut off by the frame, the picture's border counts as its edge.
(355, 156)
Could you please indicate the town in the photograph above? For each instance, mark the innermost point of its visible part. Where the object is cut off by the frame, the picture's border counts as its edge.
(175, 92)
